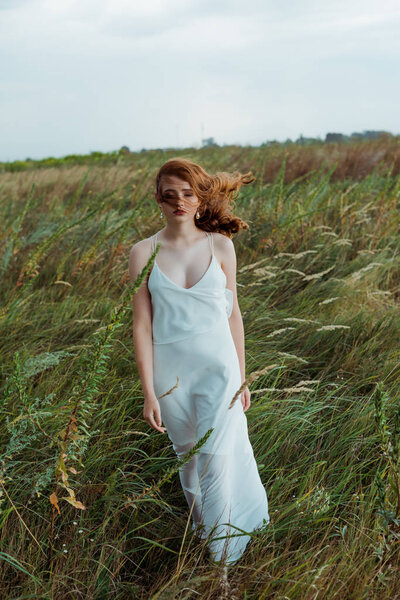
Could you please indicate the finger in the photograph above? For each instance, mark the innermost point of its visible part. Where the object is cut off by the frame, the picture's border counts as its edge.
(159, 421)
(158, 417)
(155, 426)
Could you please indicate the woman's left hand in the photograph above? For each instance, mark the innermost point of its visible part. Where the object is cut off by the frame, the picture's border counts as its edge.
(245, 398)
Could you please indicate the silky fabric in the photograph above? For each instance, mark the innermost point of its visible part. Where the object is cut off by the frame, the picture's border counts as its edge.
(193, 349)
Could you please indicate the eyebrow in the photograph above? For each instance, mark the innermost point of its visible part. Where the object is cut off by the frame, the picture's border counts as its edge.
(184, 190)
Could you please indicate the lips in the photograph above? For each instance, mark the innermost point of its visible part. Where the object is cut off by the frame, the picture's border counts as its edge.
(179, 212)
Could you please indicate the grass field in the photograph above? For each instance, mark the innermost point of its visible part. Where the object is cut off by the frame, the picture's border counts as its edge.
(90, 499)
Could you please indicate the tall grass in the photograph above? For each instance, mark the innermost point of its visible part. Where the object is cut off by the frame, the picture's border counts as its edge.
(90, 500)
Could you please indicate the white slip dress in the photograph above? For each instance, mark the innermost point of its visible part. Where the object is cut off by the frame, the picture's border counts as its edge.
(192, 341)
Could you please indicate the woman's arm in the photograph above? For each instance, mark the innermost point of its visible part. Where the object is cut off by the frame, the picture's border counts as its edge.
(229, 263)
(143, 335)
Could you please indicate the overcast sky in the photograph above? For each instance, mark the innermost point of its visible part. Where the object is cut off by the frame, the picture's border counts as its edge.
(84, 75)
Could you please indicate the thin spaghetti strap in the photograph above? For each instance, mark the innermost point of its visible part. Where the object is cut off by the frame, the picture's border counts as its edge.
(209, 236)
(212, 242)
(154, 242)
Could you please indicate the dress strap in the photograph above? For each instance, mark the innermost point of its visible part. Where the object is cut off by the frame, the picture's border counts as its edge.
(211, 238)
(154, 241)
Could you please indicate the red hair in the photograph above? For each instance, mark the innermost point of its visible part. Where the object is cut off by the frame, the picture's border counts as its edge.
(215, 192)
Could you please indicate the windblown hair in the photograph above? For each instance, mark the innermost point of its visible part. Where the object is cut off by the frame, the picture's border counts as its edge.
(215, 192)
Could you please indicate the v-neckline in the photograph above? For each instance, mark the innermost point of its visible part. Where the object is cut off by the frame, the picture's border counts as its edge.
(192, 286)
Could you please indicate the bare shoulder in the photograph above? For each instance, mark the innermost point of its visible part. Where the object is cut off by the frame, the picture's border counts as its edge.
(225, 251)
(140, 250)
(223, 244)
(139, 255)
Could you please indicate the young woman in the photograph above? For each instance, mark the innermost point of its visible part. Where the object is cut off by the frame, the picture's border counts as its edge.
(188, 337)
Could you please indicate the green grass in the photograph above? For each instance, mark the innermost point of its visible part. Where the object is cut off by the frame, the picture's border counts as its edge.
(319, 287)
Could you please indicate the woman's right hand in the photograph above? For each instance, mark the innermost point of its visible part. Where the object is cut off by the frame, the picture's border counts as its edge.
(152, 413)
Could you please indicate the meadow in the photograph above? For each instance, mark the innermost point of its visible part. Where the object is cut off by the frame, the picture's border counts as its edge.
(90, 500)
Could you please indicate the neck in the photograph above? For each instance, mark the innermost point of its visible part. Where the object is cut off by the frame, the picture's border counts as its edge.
(186, 232)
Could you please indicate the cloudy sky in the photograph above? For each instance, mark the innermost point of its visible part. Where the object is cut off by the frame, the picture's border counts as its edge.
(84, 75)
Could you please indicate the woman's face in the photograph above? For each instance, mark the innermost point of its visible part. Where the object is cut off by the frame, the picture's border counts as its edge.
(176, 194)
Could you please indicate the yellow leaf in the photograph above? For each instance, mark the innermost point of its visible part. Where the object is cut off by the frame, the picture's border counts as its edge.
(75, 503)
(54, 500)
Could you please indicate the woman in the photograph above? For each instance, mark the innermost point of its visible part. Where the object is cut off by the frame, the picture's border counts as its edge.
(189, 347)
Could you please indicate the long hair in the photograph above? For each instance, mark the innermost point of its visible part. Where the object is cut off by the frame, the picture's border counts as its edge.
(215, 192)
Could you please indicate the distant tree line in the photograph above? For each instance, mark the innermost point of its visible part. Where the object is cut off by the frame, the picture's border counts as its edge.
(334, 137)
(330, 137)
